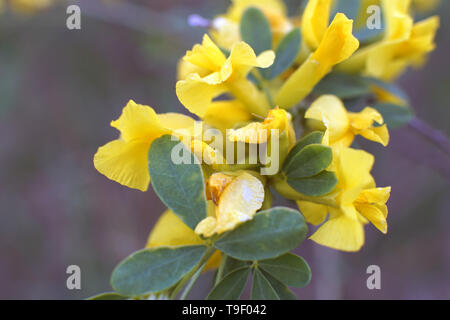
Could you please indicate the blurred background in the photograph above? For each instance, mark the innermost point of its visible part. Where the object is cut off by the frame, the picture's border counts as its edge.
(59, 90)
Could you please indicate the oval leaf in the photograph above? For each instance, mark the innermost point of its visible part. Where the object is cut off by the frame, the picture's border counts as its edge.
(270, 234)
(315, 186)
(232, 264)
(286, 53)
(343, 85)
(230, 287)
(153, 270)
(180, 186)
(255, 30)
(289, 268)
(281, 289)
(312, 138)
(310, 161)
(261, 287)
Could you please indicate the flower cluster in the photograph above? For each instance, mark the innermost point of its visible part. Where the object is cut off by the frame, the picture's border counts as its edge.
(298, 90)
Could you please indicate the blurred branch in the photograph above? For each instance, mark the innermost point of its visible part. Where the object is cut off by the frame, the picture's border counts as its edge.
(431, 134)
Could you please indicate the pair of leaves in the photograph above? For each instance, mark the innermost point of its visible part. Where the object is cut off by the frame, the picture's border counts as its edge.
(305, 166)
(255, 30)
(271, 279)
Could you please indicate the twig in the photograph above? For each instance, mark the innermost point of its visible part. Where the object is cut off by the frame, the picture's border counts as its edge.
(431, 134)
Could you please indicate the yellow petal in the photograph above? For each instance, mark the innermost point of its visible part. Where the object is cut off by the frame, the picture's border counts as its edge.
(375, 195)
(216, 184)
(377, 134)
(170, 230)
(207, 227)
(341, 233)
(331, 111)
(259, 132)
(185, 68)
(337, 45)
(196, 94)
(353, 172)
(315, 21)
(362, 123)
(226, 114)
(374, 215)
(206, 153)
(125, 163)
(243, 58)
(177, 123)
(207, 55)
(313, 213)
(398, 21)
(239, 202)
(139, 122)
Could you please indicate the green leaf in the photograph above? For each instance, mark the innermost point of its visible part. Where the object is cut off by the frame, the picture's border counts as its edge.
(180, 186)
(394, 116)
(281, 289)
(232, 264)
(261, 287)
(232, 286)
(289, 268)
(345, 86)
(309, 161)
(286, 53)
(108, 296)
(349, 7)
(155, 269)
(392, 88)
(315, 186)
(270, 234)
(255, 30)
(312, 138)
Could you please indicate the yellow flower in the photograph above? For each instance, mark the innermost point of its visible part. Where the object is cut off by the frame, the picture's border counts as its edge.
(237, 201)
(226, 114)
(169, 230)
(358, 201)
(225, 28)
(259, 132)
(405, 44)
(315, 21)
(336, 45)
(342, 126)
(223, 75)
(125, 160)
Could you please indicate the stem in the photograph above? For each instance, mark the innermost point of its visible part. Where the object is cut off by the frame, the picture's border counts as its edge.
(219, 275)
(192, 281)
(209, 252)
(431, 134)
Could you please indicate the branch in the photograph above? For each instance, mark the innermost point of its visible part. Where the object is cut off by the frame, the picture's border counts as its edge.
(436, 137)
